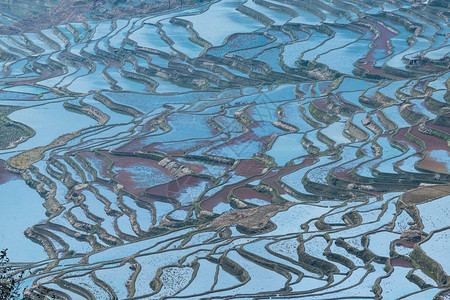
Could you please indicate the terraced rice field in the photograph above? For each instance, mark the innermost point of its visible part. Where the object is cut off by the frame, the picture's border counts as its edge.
(231, 149)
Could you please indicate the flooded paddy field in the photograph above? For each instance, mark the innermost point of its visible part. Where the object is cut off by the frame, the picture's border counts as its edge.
(228, 150)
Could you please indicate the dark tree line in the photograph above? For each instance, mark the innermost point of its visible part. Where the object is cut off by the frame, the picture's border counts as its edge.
(9, 282)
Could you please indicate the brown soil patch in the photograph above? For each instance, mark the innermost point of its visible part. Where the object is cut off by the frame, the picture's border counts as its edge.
(251, 220)
(425, 194)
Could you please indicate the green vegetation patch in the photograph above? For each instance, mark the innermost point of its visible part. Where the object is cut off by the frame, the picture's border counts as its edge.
(13, 133)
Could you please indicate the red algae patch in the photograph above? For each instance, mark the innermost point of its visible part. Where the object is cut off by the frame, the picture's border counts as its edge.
(432, 143)
(247, 193)
(249, 167)
(138, 174)
(401, 262)
(400, 137)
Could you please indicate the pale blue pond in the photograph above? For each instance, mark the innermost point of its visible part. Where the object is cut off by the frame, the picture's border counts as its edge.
(279, 18)
(26, 89)
(270, 56)
(116, 277)
(148, 102)
(116, 40)
(407, 164)
(240, 41)
(16, 68)
(438, 53)
(419, 45)
(348, 55)
(179, 214)
(222, 208)
(125, 83)
(180, 36)
(304, 17)
(166, 86)
(21, 208)
(232, 21)
(335, 132)
(71, 77)
(393, 113)
(353, 97)
(294, 116)
(434, 215)
(439, 82)
(101, 29)
(312, 136)
(341, 38)
(419, 106)
(396, 285)
(354, 84)
(292, 52)
(287, 147)
(148, 36)
(49, 121)
(91, 82)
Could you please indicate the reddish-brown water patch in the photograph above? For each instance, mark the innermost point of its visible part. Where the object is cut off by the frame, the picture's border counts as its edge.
(400, 137)
(380, 43)
(123, 166)
(248, 193)
(321, 104)
(81, 165)
(195, 167)
(401, 262)
(133, 146)
(432, 143)
(114, 63)
(249, 167)
(385, 34)
(324, 86)
(343, 172)
(404, 243)
(198, 166)
(46, 74)
(97, 162)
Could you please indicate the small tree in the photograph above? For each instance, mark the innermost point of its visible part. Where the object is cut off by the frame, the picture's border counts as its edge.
(9, 282)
